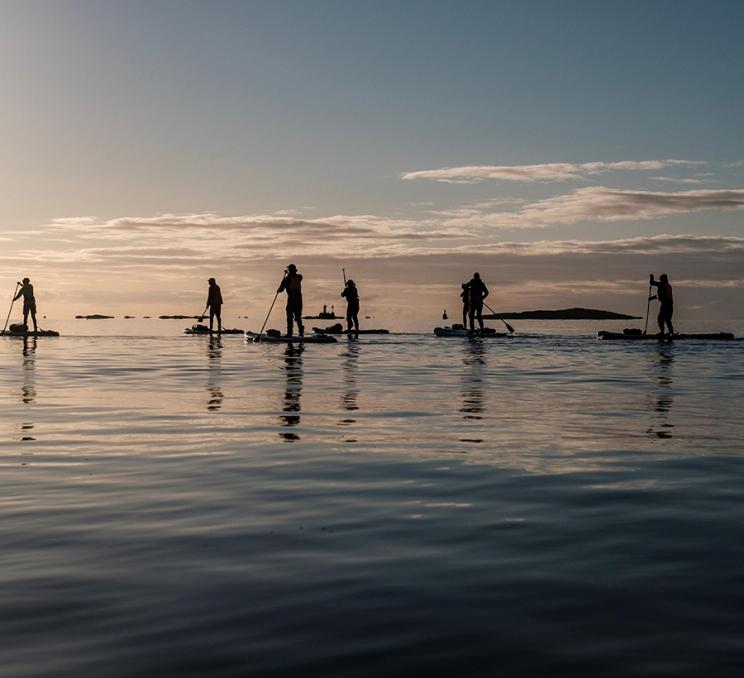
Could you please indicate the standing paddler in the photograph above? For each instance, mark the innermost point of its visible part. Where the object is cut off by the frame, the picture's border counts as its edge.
(352, 305)
(214, 303)
(29, 302)
(666, 300)
(292, 285)
(478, 292)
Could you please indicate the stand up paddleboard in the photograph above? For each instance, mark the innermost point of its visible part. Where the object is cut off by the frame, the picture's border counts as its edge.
(488, 333)
(203, 329)
(606, 335)
(339, 330)
(21, 330)
(283, 339)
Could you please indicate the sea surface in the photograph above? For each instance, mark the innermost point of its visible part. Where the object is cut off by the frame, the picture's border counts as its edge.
(395, 505)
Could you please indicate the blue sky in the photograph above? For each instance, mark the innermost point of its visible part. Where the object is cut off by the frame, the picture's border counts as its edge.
(315, 110)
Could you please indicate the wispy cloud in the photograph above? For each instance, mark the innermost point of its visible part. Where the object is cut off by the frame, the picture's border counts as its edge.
(543, 172)
(599, 203)
(682, 180)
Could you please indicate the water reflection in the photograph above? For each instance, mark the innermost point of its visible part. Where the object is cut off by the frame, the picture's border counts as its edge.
(293, 389)
(351, 387)
(28, 385)
(661, 406)
(474, 361)
(214, 365)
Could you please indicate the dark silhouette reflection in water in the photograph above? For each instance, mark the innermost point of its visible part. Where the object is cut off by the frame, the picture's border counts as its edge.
(350, 394)
(661, 405)
(28, 386)
(474, 362)
(214, 364)
(293, 390)
(351, 387)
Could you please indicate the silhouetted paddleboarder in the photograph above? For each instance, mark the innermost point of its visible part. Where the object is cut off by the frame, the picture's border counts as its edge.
(214, 303)
(352, 305)
(29, 302)
(478, 292)
(465, 296)
(292, 285)
(666, 299)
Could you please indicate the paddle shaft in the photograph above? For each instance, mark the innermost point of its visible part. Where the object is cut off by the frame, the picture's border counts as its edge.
(343, 270)
(648, 308)
(508, 326)
(271, 308)
(10, 310)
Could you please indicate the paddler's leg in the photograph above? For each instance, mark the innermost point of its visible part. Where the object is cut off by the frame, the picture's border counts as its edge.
(349, 318)
(471, 316)
(660, 321)
(298, 318)
(211, 318)
(668, 313)
(465, 311)
(290, 313)
(479, 313)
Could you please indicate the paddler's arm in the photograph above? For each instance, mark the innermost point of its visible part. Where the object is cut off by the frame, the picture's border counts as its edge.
(485, 292)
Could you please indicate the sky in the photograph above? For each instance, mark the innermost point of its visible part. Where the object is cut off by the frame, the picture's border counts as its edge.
(564, 150)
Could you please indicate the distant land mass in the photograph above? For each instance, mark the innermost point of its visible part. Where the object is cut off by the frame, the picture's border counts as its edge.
(564, 314)
(180, 317)
(95, 316)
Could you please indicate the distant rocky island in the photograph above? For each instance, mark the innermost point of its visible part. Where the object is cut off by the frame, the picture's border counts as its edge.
(564, 314)
(95, 316)
(180, 317)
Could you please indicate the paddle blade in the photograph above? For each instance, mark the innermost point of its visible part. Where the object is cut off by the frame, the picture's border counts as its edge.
(509, 327)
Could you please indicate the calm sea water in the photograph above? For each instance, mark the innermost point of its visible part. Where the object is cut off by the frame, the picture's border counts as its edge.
(392, 506)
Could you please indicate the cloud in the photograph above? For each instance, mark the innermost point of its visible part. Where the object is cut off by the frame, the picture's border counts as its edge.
(606, 204)
(681, 180)
(598, 203)
(544, 172)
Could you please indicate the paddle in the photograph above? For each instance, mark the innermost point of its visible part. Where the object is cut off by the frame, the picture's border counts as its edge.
(203, 315)
(508, 326)
(648, 307)
(10, 310)
(343, 270)
(271, 308)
